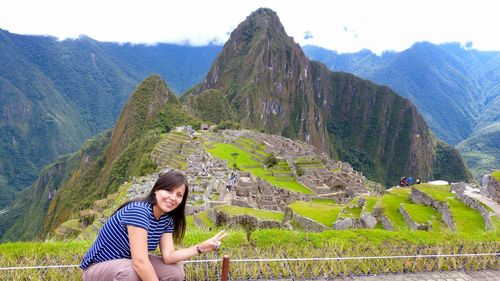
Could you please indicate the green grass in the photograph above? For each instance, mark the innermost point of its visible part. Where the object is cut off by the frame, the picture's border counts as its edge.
(438, 192)
(321, 211)
(279, 243)
(190, 222)
(335, 171)
(348, 212)
(423, 214)
(495, 221)
(324, 201)
(306, 160)
(351, 209)
(466, 219)
(206, 221)
(73, 224)
(370, 203)
(261, 214)
(496, 175)
(390, 203)
(245, 161)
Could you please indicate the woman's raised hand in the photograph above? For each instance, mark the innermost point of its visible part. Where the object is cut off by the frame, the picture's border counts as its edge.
(213, 243)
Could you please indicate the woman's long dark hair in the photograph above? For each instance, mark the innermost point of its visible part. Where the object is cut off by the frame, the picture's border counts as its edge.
(169, 181)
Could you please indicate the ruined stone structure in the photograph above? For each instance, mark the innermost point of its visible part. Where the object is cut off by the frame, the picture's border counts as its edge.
(248, 222)
(411, 223)
(459, 189)
(306, 224)
(490, 188)
(419, 197)
(365, 220)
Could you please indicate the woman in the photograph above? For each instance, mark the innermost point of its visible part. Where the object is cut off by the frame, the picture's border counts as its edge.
(120, 251)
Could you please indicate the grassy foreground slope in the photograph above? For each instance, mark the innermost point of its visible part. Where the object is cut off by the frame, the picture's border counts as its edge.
(274, 243)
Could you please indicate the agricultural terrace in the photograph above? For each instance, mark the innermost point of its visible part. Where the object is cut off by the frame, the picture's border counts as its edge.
(247, 161)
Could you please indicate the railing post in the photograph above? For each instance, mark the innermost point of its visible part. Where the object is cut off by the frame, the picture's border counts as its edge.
(225, 268)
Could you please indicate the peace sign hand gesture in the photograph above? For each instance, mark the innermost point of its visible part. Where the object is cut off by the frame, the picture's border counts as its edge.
(212, 243)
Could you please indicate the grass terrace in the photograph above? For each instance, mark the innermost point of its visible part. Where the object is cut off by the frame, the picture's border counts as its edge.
(390, 203)
(261, 214)
(423, 214)
(466, 219)
(370, 203)
(352, 210)
(322, 211)
(245, 162)
(309, 162)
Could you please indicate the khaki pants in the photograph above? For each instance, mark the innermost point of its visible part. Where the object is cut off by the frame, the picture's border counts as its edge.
(122, 269)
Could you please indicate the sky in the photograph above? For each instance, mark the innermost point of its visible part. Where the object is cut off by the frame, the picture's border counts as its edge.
(344, 26)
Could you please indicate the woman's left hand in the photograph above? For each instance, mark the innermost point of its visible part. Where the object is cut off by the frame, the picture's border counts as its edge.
(212, 243)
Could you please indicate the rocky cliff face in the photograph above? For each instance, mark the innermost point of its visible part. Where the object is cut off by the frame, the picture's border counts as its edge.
(264, 75)
(269, 84)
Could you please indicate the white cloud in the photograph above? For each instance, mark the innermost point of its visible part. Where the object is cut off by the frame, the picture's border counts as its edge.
(346, 26)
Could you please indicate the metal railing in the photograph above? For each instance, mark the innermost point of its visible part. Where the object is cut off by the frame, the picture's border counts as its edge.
(286, 268)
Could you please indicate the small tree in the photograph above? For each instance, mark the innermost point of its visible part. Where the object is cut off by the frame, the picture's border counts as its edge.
(235, 156)
(270, 160)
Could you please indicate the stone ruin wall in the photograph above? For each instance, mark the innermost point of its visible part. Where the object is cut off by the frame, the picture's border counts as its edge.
(419, 197)
(490, 188)
(459, 189)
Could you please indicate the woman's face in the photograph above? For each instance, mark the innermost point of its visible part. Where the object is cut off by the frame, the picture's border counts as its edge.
(168, 200)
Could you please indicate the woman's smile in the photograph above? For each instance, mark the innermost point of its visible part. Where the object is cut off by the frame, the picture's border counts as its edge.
(168, 200)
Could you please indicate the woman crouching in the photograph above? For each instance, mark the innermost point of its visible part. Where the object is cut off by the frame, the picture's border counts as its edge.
(120, 251)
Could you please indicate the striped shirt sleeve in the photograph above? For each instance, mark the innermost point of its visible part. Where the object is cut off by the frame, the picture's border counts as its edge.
(169, 227)
(136, 215)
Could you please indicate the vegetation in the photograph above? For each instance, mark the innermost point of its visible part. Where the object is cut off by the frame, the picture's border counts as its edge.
(425, 215)
(270, 161)
(275, 243)
(481, 150)
(324, 212)
(496, 175)
(369, 126)
(246, 162)
(449, 166)
(262, 214)
(72, 97)
(466, 219)
(390, 203)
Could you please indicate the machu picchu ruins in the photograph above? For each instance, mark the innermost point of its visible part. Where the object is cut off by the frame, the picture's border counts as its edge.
(224, 189)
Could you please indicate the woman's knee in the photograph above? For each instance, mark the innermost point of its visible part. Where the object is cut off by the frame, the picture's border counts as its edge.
(175, 273)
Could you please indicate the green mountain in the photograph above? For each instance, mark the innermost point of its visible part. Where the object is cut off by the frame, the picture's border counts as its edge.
(99, 167)
(56, 94)
(482, 149)
(455, 89)
(263, 80)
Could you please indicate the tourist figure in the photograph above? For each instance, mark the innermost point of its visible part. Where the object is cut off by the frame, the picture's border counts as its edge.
(120, 251)
(403, 182)
(410, 181)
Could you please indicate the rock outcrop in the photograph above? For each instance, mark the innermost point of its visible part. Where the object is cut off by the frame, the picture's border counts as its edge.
(490, 188)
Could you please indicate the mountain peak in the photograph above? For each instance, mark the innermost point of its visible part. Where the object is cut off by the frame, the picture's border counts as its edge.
(264, 81)
(263, 19)
(261, 25)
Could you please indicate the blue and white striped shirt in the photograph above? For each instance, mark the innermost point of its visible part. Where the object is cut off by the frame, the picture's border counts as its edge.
(112, 241)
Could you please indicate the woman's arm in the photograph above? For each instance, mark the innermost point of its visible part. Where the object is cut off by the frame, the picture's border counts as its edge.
(138, 239)
(171, 255)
